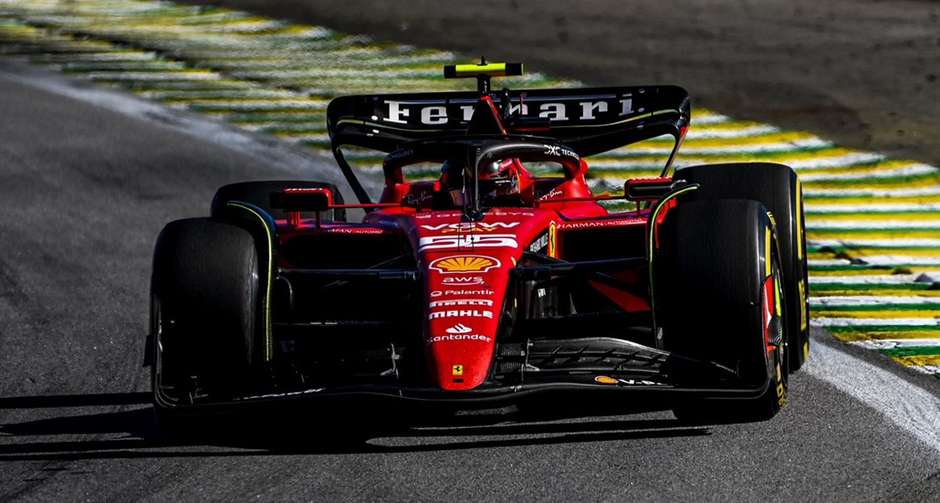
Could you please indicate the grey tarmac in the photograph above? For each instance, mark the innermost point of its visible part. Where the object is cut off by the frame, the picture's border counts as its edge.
(88, 178)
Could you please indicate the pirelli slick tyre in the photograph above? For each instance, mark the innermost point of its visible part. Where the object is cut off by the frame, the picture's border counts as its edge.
(259, 194)
(778, 188)
(718, 297)
(204, 312)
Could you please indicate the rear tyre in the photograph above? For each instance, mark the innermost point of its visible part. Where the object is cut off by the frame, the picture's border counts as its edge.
(776, 187)
(204, 313)
(717, 279)
(259, 194)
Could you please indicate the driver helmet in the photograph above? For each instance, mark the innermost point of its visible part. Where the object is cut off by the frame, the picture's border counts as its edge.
(501, 181)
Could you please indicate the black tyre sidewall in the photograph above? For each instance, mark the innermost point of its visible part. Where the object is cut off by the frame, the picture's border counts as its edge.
(709, 273)
(708, 280)
(776, 187)
(205, 291)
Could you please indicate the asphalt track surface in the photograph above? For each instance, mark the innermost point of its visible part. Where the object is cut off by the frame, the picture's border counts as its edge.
(81, 208)
(84, 191)
(865, 73)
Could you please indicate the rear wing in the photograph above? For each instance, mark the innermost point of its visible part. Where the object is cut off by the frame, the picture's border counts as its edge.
(589, 120)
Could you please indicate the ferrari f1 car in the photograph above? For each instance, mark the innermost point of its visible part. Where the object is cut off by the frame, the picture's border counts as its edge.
(501, 278)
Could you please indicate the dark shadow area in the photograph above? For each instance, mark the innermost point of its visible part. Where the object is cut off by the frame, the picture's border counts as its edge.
(304, 431)
(89, 400)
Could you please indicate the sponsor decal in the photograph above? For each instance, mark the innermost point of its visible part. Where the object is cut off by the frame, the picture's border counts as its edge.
(781, 391)
(418, 199)
(459, 328)
(558, 150)
(460, 313)
(458, 293)
(457, 370)
(463, 280)
(464, 263)
(594, 224)
(461, 302)
(553, 108)
(552, 195)
(470, 226)
(353, 230)
(540, 243)
(459, 338)
(438, 214)
(625, 382)
(512, 212)
(446, 242)
(552, 240)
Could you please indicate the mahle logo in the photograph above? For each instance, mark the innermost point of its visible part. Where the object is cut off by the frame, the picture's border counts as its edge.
(464, 263)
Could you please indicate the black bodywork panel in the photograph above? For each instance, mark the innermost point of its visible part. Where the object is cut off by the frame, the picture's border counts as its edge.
(590, 120)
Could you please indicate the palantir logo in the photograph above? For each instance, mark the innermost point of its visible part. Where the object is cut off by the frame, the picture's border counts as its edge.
(459, 328)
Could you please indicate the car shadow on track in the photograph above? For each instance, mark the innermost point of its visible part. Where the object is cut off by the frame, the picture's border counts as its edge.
(131, 432)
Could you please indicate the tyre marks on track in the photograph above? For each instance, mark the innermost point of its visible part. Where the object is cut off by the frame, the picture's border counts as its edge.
(873, 222)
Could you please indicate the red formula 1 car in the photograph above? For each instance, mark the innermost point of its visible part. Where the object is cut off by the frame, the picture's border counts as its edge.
(502, 278)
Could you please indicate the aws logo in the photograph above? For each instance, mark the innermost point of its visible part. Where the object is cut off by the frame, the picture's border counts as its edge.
(464, 263)
(463, 280)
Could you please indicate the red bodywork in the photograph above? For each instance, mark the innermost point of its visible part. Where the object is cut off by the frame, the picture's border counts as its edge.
(485, 285)
(466, 266)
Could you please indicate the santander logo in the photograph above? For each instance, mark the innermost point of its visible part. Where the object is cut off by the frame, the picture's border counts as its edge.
(459, 333)
(459, 328)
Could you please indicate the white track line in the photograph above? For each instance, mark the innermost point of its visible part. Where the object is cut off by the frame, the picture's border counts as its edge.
(711, 118)
(750, 148)
(878, 243)
(912, 170)
(872, 192)
(885, 260)
(871, 279)
(897, 343)
(823, 161)
(871, 300)
(813, 224)
(875, 322)
(910, 407)
(742, 132)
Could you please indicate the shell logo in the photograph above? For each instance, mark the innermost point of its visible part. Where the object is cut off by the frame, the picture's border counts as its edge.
(464, 263)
